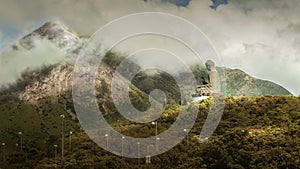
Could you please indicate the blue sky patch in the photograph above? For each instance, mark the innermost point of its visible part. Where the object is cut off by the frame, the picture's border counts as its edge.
(217, 3)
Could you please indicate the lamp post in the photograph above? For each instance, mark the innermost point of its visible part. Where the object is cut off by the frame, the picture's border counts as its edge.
(122, 146)
(21, 140)
(62, 138)
(70, 141)
(3, 144)
(17, 145)
(55, 153)
(187, 137)
(157, 140)
(138, 143)
(155, 123)
(148, 157)
(106, 135)
(201, 140)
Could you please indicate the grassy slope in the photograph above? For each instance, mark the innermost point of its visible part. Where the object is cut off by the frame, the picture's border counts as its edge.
(274, 142)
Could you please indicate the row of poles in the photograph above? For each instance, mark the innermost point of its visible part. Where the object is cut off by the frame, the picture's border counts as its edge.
(62, 142)
(55, 146)
(17, 145)
(148, 157)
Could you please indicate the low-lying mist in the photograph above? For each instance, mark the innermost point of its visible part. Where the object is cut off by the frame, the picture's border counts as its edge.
(15, 61)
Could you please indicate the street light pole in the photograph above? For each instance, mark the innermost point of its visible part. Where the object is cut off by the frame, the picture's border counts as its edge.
(155, 123)
(62, 138)
(106, 135)
(3, 144)
(55, 153)
(122, 151)
(17, 145)
(148, 157)
(187, 137)
(157, 139)
(138, 143)
(70, 141)
(21, 140)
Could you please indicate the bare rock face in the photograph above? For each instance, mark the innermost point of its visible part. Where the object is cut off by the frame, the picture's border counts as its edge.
(57, 81)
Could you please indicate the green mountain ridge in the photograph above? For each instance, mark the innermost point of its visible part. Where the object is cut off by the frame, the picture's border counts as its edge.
(239, 83)
(235, 83)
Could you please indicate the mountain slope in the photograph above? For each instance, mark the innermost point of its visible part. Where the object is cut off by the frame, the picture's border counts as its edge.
(235, 83)
(239, 83)
(255, 132)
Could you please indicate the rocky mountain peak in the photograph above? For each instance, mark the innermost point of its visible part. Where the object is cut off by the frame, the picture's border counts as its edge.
(54, 31)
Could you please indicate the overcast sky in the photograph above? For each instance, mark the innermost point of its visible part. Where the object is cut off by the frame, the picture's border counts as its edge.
(259, 37)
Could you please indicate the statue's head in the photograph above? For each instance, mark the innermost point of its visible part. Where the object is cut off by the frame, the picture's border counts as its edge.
(210, 65)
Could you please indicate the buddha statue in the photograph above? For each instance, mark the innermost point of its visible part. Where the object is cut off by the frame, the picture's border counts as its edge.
(213, 76)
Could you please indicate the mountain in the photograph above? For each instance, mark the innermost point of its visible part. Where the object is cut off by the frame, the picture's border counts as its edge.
(56, 79)
(35, 87)
(235, 83)
(44, 93)
(59, 76)
(55, 32)
(239, 83)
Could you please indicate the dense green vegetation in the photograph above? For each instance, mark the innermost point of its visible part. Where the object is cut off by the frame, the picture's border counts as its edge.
(158, 80)
(255, 132)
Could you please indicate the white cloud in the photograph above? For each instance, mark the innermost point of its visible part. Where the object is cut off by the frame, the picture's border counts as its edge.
(14, 62)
